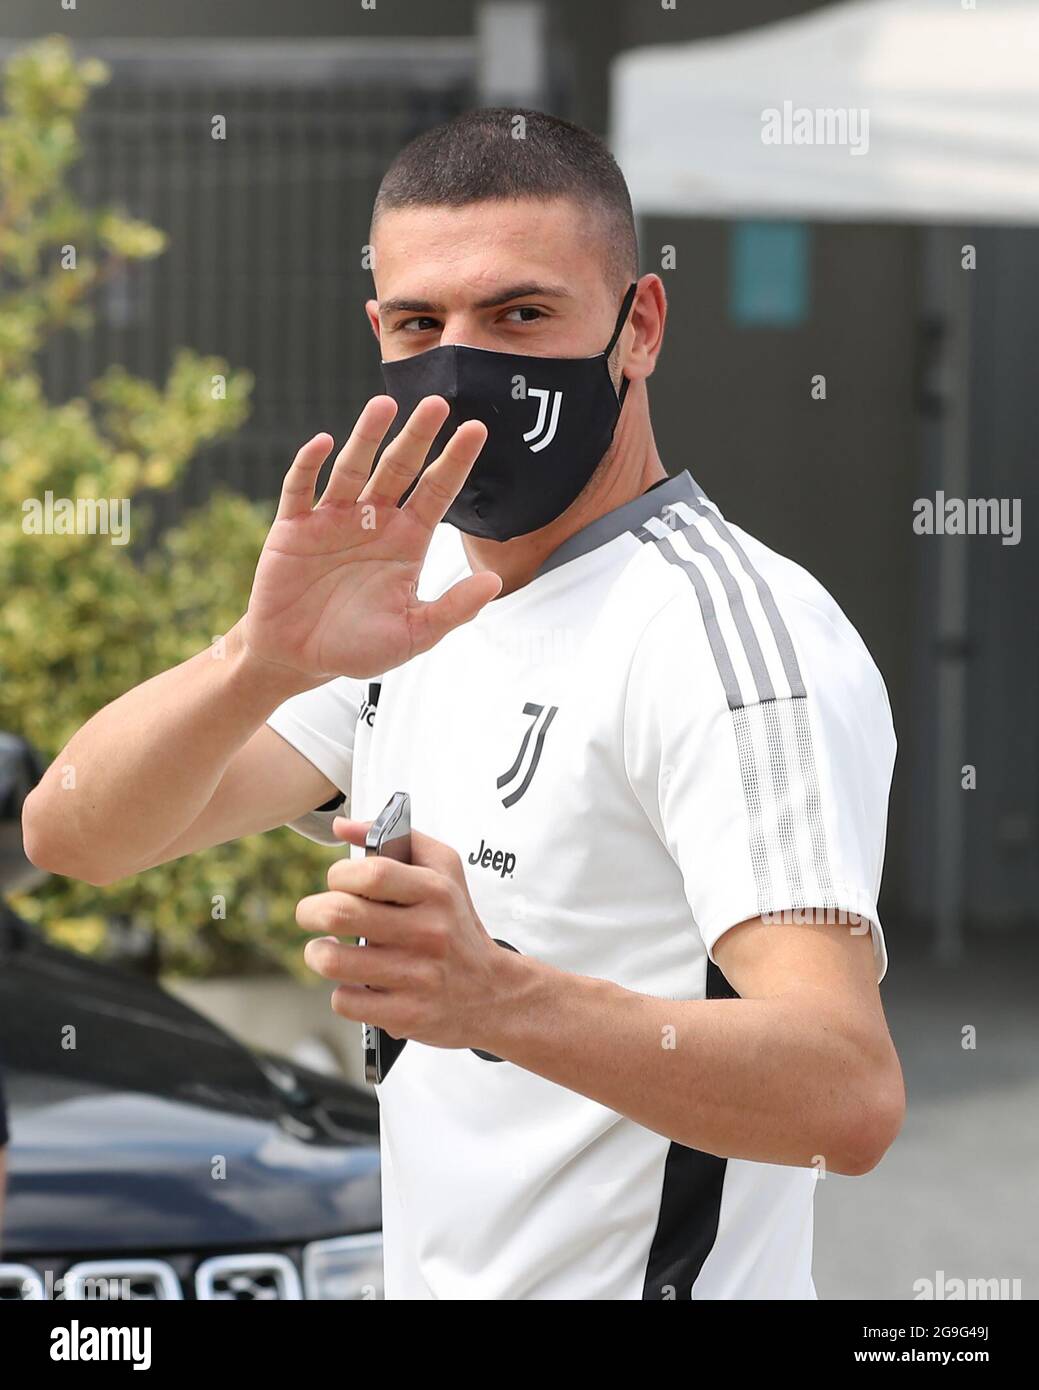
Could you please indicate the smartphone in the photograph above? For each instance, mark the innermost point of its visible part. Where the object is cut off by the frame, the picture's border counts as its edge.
(390, 834)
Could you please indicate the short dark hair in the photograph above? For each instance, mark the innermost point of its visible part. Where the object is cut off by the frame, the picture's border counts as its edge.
(481, 155)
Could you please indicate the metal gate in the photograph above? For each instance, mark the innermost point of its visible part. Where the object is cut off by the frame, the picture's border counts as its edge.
(266, 227)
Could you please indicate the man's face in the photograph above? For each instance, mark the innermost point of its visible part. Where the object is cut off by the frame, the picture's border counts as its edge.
(517, 276)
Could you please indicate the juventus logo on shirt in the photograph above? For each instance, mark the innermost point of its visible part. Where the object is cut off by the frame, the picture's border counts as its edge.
(540, 429)
(521, 773)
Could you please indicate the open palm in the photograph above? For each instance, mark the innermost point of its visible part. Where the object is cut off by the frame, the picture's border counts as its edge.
(335, 586)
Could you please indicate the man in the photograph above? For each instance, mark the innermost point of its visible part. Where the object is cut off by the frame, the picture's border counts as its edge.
(637, 953)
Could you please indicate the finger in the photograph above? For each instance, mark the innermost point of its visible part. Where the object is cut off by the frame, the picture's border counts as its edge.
(376, 1008)
(384, 880)
(297, 491)
(441, 483)
(381, 967)
(426, 852)
(357, 1003)
(345, 914)
(353, 465)
(402, 459)
(445, 863)
(461, 603)
(350, 915)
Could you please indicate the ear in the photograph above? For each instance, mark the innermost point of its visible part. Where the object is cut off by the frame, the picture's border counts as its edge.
(371, 308)
(643, 336)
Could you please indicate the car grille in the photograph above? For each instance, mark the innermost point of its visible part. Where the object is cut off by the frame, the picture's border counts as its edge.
(19, 1284)
(247, 1277)
(239, 1278)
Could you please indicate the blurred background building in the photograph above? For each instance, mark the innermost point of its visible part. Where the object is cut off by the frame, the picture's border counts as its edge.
(930, 373)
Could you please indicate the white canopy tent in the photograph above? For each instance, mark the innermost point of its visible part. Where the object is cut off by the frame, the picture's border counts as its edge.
(938, 107)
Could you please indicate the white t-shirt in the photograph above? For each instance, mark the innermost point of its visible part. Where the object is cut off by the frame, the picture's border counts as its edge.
(669, 730)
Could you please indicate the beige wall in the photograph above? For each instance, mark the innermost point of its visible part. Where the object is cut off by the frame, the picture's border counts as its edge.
(277, 1015)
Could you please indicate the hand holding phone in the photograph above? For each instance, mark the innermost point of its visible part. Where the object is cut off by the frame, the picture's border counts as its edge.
(389, 835)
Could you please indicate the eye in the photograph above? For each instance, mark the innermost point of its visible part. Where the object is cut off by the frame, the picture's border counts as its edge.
(529, 313)
(417, 325)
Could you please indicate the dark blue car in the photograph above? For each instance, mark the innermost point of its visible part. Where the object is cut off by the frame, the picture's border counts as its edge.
(153, 1156)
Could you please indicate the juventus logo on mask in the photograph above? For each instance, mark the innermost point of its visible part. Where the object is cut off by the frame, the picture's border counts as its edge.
(526, 475)
(521, 773)
(543, 436)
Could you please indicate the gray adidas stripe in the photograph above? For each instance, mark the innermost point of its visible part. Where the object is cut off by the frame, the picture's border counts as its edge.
(722, 660)
(775, 619)
(793, 805)
(744, 626)
(814, 802)
(759, 857)
(783, 793)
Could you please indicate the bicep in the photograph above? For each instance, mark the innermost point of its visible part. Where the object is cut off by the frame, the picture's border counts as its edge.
(266, 784)
(830, 963)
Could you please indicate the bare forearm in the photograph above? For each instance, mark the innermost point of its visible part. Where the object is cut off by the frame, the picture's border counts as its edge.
(771, 1080)
(140, 771)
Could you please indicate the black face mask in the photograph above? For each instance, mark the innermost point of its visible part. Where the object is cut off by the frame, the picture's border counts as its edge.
(549, 422)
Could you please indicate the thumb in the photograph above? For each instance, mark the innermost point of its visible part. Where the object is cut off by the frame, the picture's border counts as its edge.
(459, 605)
(352, 832)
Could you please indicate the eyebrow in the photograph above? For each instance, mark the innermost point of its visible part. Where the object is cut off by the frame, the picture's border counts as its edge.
(528, 290)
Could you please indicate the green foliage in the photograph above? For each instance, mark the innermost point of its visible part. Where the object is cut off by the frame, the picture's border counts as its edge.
(83, 619)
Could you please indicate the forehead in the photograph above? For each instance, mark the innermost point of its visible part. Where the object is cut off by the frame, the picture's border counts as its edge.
(473, 248)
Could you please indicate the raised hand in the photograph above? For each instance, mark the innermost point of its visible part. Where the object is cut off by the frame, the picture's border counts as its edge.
(335, 587)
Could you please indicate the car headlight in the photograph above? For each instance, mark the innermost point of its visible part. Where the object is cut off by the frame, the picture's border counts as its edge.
(348, 1267)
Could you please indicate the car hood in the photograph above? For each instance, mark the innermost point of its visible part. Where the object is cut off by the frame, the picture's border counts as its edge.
(135, 1122)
